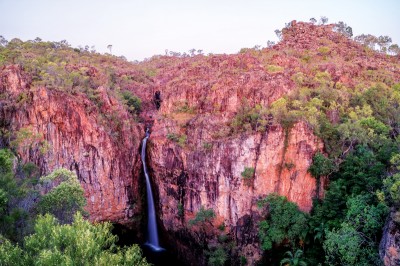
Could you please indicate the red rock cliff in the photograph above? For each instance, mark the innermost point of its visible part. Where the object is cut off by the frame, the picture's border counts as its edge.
(67, 131)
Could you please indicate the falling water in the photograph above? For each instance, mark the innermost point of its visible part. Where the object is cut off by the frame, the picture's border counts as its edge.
(152, 240)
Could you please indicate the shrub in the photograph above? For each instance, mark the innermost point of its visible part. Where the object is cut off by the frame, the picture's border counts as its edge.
(323, 79)
(25, 138)
(249, 119)
(248, 176)
(172, 136)
(274, 69)
(222, 227)
(180, 210)
(218, 257)
(180, 139)
(243, 260)
(203, 216)
(306, 57)
(183, 107)
(324, 50)
(133, 102)
(299, 78)
(207, 146)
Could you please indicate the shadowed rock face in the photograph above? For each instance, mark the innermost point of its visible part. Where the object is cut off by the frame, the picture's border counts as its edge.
(389, 248)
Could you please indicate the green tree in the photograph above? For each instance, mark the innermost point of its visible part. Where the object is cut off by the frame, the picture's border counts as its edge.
(12, 217)
(354, 242)
(343, 246)
(394, 49)
(367, 39)
(313, 20)
(284, 223)
(321, 166)
(344, 29)
(11, 254)
(217, 257)
(133, 102)
(391, 187)
(323, 20)
(319, 232)
(3, 201)
(293, 259)
(203, 216)
(366, 217)
(64, 199)
(361, 171)
(384, 42)
(3, 41)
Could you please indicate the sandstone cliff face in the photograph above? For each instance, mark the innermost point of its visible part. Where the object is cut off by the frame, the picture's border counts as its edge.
(67, 131)
(389, 248)
(191, 177)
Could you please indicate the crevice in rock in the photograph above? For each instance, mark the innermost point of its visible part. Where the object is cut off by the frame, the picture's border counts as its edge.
(258, 150)
(285, 147)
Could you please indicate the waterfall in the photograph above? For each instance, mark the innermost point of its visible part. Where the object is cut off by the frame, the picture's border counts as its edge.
(152, 233)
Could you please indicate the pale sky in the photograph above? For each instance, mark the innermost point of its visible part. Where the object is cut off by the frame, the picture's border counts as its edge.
(138, 29)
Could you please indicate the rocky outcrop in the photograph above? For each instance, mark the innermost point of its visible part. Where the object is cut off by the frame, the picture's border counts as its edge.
(389, 248)
(54, 129)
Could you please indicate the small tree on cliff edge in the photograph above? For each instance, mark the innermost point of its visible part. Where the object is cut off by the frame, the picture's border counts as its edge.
(323, 20)
(202, 217)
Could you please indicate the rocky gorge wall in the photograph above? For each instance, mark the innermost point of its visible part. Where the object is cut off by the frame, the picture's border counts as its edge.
(187, 179)
(57, 130)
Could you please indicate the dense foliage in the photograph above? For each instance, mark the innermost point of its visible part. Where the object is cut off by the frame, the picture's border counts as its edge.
(360, 129)
(79, 243)
(360, 143)
(285, 224)
(17, 197)
(41, 221)
(63, 200)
